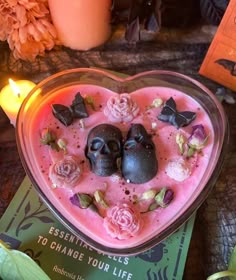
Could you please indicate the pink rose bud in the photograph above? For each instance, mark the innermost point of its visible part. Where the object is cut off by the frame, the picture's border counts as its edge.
(197, 139)
(82, 200)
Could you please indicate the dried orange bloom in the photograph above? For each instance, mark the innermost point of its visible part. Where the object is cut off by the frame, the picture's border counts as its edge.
(27, 26)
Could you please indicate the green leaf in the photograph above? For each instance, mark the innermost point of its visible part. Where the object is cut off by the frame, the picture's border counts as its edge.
(19, 266)
(218, 275)
(231, 272)
(232, 263)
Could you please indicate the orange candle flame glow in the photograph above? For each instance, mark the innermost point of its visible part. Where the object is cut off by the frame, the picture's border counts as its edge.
(13, 95)
(14, 87)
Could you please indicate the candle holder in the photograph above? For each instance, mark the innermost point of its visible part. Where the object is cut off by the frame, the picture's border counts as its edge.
(35, 116)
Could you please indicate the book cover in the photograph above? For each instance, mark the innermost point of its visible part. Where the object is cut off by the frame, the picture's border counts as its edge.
(219, 63)
(28, 225)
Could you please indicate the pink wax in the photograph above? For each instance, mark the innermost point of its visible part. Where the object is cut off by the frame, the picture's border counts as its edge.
(81, 24)
(115, 188)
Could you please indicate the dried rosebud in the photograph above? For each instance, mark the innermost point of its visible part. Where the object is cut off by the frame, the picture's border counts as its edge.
(180, 140)
(62, 144)
(161, 199)
(149, 194)
(82, 200)
(49, 138)
(164, 197)
(153, 206)
(99, 198)
(157, 102)
(90, 101)
(197, 139)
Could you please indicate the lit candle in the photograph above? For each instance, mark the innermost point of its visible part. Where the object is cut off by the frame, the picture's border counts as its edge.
(13, 95)
(81, 24)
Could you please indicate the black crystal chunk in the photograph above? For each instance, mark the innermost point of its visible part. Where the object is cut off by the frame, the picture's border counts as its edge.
(170, 114)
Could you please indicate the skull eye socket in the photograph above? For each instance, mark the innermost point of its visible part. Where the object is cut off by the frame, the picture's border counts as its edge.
(138, 138)
(96, 144)
(113, 146)
(130, 144)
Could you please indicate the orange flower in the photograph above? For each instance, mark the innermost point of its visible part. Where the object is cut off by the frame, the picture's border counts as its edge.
(7, 19)
(26, 25)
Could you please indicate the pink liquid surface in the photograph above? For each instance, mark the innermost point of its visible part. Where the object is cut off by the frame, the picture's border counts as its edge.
(115, 189)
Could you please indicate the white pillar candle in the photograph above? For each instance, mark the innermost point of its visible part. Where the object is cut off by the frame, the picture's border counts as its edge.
(13, 95)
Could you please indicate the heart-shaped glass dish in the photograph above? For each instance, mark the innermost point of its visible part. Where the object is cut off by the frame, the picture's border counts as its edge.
(35, 116)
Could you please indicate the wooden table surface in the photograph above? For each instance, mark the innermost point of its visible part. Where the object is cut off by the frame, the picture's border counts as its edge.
(214, 234)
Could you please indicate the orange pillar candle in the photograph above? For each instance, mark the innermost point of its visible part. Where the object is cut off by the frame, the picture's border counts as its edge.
(81, 24)
(13, 95)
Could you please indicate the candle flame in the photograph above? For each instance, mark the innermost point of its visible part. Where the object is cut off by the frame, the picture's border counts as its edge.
(14, 87)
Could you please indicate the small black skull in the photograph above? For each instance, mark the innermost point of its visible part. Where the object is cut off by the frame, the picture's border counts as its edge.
(139, 162)
(104, 147)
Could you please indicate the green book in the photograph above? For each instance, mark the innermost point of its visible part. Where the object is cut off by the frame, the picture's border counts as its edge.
(29, 226)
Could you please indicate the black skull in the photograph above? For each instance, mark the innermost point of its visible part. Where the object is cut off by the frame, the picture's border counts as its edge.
(139, 162)
(104, 147)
